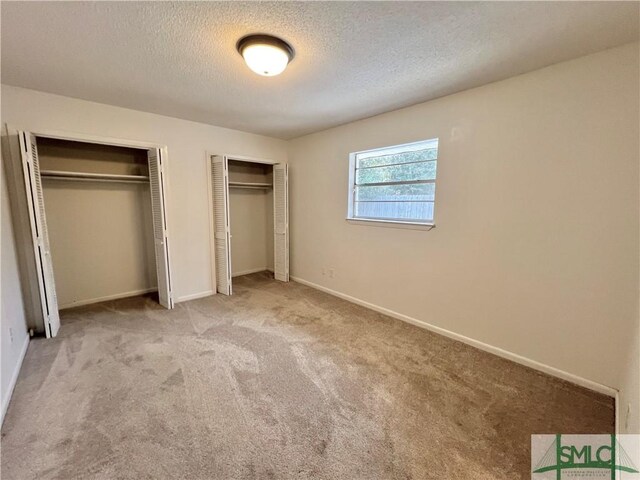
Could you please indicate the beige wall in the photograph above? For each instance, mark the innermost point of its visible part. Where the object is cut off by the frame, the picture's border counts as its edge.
(251, 230)
(187, 142)
(13, 326)
(101, 240)
(536, 245)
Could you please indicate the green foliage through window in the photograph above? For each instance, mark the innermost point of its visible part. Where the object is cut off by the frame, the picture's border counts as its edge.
(396, 184)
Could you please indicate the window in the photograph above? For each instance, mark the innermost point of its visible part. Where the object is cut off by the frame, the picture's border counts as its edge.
(394, 184)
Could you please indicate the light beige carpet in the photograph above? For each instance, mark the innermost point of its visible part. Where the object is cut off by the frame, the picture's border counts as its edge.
(278, 381)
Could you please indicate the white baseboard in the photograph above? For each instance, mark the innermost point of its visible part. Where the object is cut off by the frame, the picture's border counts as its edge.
(194, 296)
(14, 379)
(247, 272)
(569, 377)
(116, 296)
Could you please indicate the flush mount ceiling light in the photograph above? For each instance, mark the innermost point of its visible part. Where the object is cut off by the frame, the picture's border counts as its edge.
(264, 54)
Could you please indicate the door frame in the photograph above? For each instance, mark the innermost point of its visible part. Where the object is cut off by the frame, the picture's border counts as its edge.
(212, 246)
(16, 160)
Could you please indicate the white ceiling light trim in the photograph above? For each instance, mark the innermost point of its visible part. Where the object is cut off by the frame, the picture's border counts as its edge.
(264, 54)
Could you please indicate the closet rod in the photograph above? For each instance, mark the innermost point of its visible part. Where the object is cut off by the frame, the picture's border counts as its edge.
(249, 188)
(102, 177)
(250, 185)
(92, 180)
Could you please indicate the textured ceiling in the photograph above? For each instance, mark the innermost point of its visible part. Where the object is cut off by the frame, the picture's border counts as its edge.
(353, 59)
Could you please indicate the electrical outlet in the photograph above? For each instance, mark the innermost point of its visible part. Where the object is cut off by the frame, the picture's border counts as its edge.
(331, 273)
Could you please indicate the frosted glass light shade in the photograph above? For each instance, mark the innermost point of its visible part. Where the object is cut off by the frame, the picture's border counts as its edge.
(265, 59)
(265, 55)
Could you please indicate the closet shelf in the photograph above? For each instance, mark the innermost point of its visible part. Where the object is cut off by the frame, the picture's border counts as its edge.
(249, 185)
(93, 177)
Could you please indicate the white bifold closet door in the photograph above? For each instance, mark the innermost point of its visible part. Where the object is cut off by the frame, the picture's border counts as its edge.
(281, 222)
(221, 223)
(39, 234)
(160, 236)
(40, 237)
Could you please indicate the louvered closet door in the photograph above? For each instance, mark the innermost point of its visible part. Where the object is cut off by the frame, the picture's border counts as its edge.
(161, 239)
(221, 224)
(281, 222)
(38, 220)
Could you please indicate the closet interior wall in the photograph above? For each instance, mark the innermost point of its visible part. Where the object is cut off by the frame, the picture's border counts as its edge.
(100, 232)
(251, 212)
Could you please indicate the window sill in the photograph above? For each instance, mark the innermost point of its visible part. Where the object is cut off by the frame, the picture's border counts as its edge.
(391, 224)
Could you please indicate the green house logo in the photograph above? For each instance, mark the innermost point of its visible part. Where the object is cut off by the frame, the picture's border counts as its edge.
(584, 456)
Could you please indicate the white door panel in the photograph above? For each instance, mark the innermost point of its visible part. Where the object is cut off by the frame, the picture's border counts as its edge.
(161, 238)
(40, 236)
(281, 221)
(221, 223)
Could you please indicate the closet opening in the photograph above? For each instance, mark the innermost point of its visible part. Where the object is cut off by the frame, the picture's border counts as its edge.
(251, 213)
(250, 216)
(98, 205)
(98, 222)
